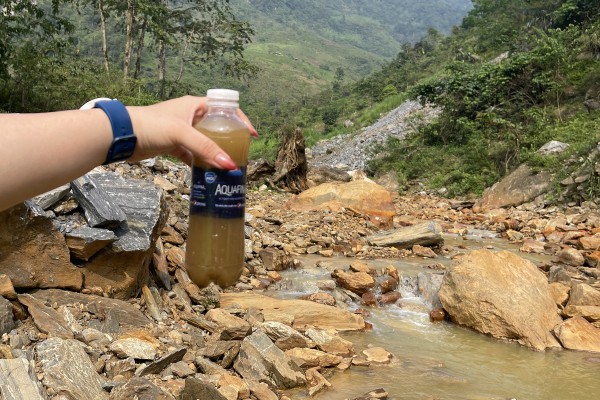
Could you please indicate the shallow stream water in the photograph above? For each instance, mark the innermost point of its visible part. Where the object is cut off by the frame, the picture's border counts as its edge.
(442, 361)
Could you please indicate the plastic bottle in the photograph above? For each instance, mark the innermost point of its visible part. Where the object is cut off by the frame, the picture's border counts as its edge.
(215, 243)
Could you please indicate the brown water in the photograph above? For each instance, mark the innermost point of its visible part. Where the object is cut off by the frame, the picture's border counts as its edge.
(215, 245)
(445, 362)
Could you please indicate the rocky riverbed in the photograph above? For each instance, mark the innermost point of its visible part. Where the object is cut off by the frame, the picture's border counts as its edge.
(93, 336)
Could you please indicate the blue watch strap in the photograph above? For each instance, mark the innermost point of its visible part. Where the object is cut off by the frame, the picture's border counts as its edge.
(124, 139)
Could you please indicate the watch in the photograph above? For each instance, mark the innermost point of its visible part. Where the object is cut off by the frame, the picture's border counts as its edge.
(124, 139)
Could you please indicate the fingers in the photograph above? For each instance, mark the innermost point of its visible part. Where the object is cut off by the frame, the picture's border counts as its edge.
(246, 120)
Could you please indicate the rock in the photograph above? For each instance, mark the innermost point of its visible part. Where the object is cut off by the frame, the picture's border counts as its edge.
(426, 234)
(389, 298)
(378, 355)
(198, 389)
(275, 259)
(304, 313)
(164, 184)
(571, 256)
(139, 388)
(157, 366)
(502, 295)
(590, 242)
(360, 266)
(532, 246)
(437, 315)
(260, 360)
(578, 334)
(50, 198)
(325, 174)
(559, 292)
(117, 316)
(284, 336)
(67, 369)
(229, 327)
(18, 381)
(362, 196)
(234, 385)
(553, 147)
(590, 313)
(34, 253)
(316, 381)
(308, 358)
(374, 395)
(132, 347)
(584, 295)
(170, 235)
(321, 298)
(124, 265)
(428, 288)
(387, 284)
(261, 391)
(425, 252)
(45, 318)
(84, 242)
(7, 321)
(356, 282)
(7, 290)
(100, 210)
(519, 187)
(330, 342)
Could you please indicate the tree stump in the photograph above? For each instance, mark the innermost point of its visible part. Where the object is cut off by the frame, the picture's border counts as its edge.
(291, 167)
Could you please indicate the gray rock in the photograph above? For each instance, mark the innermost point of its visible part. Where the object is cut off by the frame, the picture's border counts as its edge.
(100, 209)
(429, 285)
(84, 242)
(520, 186)
(141, 389)
(197, 389)
(50, 198)
(7, 320)
(123, 265)
(426, 234)
(68, 370)
(157, 366)
(18, 382)
(260, 360)
(553, 147)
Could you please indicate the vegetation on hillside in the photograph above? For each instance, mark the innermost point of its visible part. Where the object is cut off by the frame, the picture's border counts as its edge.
(513, 76)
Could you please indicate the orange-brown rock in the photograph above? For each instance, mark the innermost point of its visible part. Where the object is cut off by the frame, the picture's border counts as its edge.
(363, 196)
(357, 282)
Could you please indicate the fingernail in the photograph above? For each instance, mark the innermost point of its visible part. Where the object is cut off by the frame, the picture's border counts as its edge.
(224, 161)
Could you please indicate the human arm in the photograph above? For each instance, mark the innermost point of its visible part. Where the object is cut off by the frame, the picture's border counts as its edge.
(39, 152)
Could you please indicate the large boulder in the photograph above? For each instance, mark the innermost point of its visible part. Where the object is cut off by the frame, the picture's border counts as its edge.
(519, 187)
(363, 196)
(502, 295)
(122, 267)
(303, 313)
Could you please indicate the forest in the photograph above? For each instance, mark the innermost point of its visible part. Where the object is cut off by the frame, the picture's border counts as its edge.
(509, 77)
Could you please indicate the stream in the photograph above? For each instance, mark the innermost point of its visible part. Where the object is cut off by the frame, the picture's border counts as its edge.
(442, 361)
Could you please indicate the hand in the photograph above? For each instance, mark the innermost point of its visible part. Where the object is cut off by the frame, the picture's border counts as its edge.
(168, 128)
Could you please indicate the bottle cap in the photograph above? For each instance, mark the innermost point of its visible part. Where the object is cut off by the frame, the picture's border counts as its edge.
(223, 94)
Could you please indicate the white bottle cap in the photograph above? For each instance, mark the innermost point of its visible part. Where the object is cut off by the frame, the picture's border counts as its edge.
(223, 94)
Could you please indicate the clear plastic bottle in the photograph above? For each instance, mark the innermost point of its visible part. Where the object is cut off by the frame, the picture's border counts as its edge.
(215, 243)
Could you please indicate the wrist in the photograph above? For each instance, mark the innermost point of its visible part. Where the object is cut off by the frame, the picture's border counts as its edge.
(123, 137)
